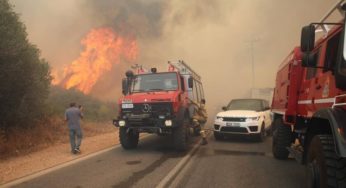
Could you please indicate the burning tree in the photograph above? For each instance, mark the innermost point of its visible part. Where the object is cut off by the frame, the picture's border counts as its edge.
(103, 48)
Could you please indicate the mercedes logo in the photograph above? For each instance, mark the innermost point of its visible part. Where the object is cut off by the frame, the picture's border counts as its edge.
(146, 108)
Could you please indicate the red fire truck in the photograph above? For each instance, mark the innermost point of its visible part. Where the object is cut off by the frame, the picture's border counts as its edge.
(309, 103)
(159, 102)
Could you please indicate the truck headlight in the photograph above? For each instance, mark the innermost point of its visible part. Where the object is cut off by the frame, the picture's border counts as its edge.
(249, 119)
(168, 123)
(122, 123)
(219, 118)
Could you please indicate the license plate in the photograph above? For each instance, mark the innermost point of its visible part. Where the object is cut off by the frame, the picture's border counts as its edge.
(233, 124)
(125, 106)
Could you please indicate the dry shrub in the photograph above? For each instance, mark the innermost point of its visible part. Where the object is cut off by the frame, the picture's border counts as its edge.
(22, 141)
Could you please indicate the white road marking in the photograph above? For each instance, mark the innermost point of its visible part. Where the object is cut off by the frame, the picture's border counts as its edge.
(178, 168)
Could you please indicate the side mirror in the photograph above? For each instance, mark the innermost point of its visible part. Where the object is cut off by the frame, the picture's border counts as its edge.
(190, 82)
(125, 86)
(307, 40)
(224, 108)
(309, 59)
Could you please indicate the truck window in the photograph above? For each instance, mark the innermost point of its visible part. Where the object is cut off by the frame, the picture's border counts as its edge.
(155, 82)
(331, 52)
(198, 90)
(182, 81)
(202, 92)
(195, 91)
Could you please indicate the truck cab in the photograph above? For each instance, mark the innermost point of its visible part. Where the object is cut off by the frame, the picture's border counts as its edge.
(158, 102)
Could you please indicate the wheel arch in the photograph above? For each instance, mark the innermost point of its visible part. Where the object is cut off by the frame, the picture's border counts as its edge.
(329, 121)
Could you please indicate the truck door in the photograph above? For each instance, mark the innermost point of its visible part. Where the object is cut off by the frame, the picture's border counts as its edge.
(308, 87)
(326, 80)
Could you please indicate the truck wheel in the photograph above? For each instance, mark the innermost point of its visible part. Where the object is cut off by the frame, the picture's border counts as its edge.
(261, 136)
(128, 139)
(324, 167)
(180, 136)
(282, 138)
(218, 136)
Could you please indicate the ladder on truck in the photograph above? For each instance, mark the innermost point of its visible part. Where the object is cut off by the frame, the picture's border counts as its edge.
(323, 25)
(140, 69)
(183, 68)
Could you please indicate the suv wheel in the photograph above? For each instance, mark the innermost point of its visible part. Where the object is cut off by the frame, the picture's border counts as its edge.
(128, 138)
(261, 136)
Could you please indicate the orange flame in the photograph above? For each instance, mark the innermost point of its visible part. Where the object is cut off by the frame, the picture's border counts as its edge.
(103, 48)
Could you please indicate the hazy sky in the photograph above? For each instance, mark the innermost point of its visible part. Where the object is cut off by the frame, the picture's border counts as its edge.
(211, 36)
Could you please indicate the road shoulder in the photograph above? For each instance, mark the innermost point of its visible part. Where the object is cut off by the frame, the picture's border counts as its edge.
(57, 154)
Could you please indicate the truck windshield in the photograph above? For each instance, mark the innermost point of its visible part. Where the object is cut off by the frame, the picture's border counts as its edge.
(245, 104)
(155, 82)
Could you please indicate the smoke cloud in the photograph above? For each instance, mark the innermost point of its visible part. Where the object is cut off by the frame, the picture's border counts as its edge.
(220, 39)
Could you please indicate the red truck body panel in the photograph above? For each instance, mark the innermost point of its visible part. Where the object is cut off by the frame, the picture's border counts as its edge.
(301, 91)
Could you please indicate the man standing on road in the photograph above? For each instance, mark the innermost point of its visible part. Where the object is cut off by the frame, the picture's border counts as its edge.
(200, 118)
(73, 116)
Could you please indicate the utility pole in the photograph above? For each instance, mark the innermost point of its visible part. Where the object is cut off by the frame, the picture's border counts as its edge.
(252, 41)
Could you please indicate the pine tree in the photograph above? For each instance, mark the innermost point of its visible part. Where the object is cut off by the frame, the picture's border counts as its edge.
(24, 76)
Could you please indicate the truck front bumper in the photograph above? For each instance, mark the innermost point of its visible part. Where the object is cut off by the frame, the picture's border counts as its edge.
(145, 123)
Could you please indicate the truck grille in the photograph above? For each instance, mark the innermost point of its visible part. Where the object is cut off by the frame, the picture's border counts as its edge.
(234, 119)
(234, 129)
(150, 108)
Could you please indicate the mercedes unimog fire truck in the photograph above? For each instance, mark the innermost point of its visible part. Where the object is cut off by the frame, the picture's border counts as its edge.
(309, 103)
(159, 102)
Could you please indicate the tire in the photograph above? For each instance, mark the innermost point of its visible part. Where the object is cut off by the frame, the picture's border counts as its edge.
(262, 135)
(282, 138)
(324, 167)
(180, 136)
(218, 136)
(128, 139)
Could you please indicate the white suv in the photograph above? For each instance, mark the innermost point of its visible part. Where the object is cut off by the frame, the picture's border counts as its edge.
(245, 117)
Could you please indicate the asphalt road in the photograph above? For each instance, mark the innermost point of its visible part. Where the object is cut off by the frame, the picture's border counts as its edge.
(229, 163)
(240, 163)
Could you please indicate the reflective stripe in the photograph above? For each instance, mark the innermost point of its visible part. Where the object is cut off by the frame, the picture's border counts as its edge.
(305, 102)
(327, 100)
(317, 101)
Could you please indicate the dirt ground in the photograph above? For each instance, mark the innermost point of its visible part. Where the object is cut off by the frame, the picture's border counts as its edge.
(17, 167)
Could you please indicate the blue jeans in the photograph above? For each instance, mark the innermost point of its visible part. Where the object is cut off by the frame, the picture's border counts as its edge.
(75, 133)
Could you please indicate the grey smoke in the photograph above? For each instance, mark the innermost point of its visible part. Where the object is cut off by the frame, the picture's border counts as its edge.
(212, 36)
